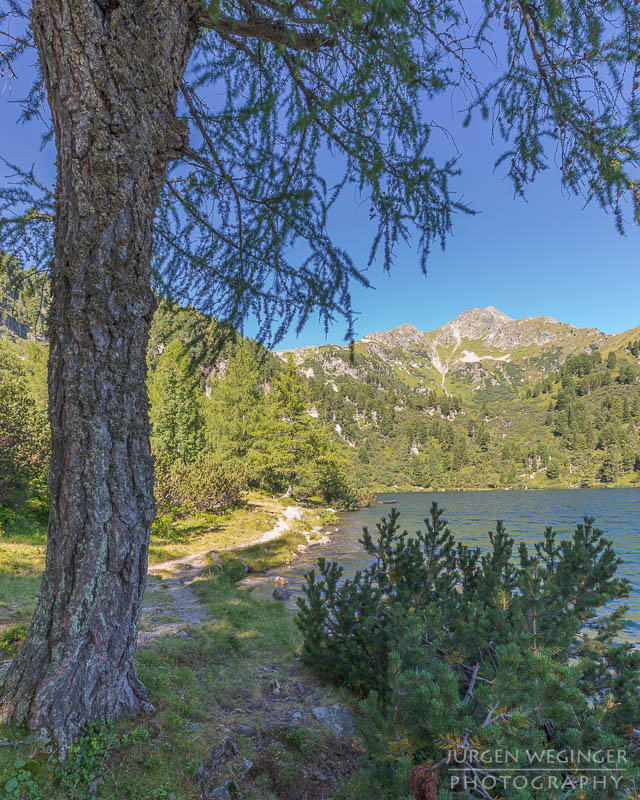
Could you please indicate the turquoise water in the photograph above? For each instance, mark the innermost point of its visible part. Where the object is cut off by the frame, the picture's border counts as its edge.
(472, 514)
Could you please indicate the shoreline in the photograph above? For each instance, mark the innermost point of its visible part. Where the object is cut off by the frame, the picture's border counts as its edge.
(429, 490)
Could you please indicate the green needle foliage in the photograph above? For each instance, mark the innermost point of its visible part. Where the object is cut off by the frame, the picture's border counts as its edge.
(463, 656)
(296, 440)
(176, 409)
(289, 104)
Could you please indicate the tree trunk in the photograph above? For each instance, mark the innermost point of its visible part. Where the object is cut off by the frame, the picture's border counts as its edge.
(112, 71)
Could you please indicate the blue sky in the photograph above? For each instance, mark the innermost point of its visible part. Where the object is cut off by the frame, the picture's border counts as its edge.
(547, 255)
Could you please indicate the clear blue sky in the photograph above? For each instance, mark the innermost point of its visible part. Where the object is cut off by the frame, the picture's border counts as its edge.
(546, 256)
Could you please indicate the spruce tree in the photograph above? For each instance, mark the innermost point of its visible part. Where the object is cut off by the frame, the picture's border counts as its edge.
(237, 412)
(294, 438)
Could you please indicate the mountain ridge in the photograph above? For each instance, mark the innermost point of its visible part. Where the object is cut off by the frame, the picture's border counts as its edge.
(482, 402)
(471, 323)
(483, 347)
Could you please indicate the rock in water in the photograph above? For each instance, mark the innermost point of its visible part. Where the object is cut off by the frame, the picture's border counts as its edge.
(337, 718)
(281, 593)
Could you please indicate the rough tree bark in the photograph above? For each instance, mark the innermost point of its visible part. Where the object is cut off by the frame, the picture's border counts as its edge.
(112, 70)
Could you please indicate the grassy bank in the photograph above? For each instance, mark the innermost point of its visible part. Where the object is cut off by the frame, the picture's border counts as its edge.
(236, 527)
(230, 689)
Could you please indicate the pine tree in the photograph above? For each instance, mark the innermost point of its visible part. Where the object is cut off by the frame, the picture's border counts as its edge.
(294, 438)
(237, 412)
(462, 655)
(24, 441)
(176, 414)
(611, 465)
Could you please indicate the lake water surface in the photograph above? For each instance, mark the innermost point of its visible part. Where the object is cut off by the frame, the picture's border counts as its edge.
(472, 514)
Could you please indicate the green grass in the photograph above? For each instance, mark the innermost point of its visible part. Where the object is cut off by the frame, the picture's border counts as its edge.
(219, 674)
(23, 545)
(260, 557)
(23, 538)
(236, 527)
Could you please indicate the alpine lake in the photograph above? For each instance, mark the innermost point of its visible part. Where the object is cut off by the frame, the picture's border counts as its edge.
(471, 515)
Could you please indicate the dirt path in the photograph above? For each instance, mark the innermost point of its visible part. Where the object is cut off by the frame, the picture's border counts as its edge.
(170, 603)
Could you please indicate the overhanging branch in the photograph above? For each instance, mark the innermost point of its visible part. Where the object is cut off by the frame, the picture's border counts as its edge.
(265, 30)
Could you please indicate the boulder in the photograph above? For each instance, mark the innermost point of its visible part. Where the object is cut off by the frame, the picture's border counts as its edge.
(337, 718)
(244, 768)
(223, 792)
(281, 593)
(244, 730)
(294, 512)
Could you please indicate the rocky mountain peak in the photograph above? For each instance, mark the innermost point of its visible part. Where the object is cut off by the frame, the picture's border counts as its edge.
(402, 336)
(478, 322)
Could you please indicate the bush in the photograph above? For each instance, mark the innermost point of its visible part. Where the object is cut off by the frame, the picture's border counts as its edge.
(464, 656)
(202, 486)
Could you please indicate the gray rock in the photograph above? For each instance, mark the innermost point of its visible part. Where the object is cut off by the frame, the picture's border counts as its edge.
(244, 768)
(337, 718)
(281, 593)
(244, 730)
(223, 792)
(293, 512)
(218, 756)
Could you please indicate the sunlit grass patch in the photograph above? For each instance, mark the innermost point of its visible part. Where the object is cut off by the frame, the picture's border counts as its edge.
(23, 544)
(260, 557)
(235, 527)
